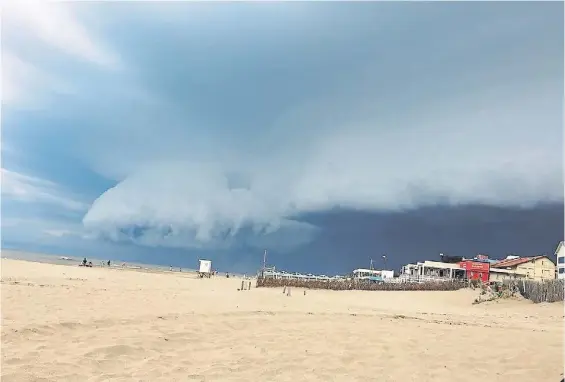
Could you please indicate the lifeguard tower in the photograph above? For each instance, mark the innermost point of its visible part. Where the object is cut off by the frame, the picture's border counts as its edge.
(205, 268)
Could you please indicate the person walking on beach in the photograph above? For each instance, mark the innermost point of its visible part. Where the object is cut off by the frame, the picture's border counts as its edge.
(108, 262)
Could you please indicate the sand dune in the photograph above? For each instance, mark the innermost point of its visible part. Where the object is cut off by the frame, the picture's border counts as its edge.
(67, 323)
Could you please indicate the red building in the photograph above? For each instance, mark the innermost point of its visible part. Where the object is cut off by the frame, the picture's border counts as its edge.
(476, 270)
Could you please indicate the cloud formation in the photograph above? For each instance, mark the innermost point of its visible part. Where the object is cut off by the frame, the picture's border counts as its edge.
(55, 25)
(182, 204)
(24, 188)
(24, 85)
(492, 161)
(33, 34)
(241, 131)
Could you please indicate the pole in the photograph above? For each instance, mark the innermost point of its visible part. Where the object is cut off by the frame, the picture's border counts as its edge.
(264, 260)
(384, 259)
(371, 266)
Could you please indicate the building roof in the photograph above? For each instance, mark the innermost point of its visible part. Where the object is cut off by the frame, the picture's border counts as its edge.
(515, 262)
(558, 248)
(437, 264)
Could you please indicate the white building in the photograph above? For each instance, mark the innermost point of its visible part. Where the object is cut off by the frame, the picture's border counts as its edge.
(560, 253)
(432, 271)
(387, 275)
(437, 271)
(272, 273)
(409, 272)
(363, 274)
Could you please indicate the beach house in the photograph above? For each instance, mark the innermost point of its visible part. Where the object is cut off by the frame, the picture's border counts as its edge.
(476, 269)
(536, 268)
(560, 254)
(431, 271)
(439, 271)
(501, 274)
(409, 273)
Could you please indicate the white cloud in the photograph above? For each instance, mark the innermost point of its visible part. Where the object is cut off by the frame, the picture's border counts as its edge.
(54, 24)
(24, 188)
(59, 232)
(410, 137)
(29, 25)
(194, 210)
(25, 85)
(493, 155)
(14, 75)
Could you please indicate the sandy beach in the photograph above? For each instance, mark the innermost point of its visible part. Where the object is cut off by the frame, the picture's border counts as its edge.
(68, 323)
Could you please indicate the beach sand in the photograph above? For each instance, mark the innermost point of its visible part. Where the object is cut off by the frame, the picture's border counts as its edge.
(68, 323)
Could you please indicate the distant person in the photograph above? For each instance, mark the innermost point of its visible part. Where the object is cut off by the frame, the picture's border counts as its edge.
(171, 268)
(109, 263)
(84, 262)
(180, 269)
(90, 264)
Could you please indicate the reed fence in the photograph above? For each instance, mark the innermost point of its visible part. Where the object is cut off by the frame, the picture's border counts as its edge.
(539, 291)
(357, 285)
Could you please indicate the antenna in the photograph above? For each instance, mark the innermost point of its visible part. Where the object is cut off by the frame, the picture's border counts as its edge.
(264, 260)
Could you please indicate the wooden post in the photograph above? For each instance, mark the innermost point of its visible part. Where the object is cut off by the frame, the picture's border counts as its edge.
(288, 291)
(242, 285)
(284, 290)
(249, 286)
(304, 292)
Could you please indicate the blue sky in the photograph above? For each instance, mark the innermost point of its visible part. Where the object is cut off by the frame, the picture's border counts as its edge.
(154, 131)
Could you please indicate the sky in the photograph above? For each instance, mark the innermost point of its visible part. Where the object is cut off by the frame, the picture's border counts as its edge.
(328, 133)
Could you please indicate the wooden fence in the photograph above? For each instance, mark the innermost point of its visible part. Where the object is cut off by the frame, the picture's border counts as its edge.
(350, 285)
(540, 291)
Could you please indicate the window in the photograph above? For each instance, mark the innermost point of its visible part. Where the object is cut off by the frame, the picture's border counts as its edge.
(561, 270)
(561, 260)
